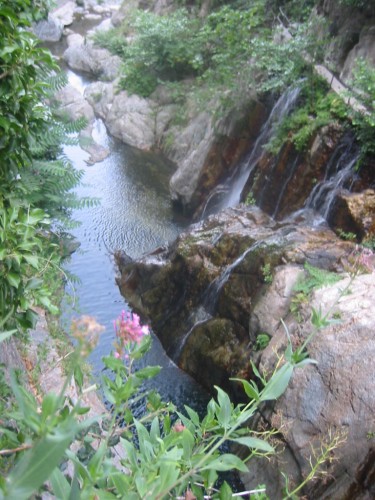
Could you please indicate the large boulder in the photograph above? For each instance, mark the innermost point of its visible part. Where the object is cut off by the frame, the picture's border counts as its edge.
(85, 56)
(201, 293)
(355, 213)
(72, 104)
(135, 120)
(332, 400)
(49, 30)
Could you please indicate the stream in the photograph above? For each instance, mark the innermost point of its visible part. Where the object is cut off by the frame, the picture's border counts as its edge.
(135, 215)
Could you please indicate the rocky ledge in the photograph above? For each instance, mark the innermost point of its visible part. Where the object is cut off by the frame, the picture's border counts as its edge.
(229, 279)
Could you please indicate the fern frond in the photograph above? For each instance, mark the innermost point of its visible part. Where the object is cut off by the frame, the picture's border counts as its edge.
(315, 278)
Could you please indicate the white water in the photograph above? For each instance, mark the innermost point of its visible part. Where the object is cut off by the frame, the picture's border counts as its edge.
(340, 174)
(228, 194)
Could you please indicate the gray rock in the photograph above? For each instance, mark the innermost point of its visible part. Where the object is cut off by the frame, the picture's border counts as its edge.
(100, 95)
(49, 30)
(334, 397)
(88, 58)
(364, 49)
(65, 13)
(217, 266)
(73, 105)
(132, 119)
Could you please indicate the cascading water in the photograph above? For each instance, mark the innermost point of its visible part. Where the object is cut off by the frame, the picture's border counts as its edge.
(340, 174)
(212, 293)
(209, 299)
(228, 193)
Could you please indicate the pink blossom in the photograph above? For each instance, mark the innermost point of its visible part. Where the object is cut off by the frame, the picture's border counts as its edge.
(128, 328)
(117, 355)
(179, 427)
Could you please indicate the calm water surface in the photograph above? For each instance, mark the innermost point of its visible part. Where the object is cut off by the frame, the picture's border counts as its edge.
(134, 215)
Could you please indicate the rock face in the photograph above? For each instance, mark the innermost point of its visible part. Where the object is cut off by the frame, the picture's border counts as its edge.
(212, 293)
(332, 398)
(207, 150)
(201, 293)
(131, 118)
(355, 213)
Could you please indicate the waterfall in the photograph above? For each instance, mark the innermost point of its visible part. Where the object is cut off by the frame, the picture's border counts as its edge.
(339, 175)
(211, 295)
(228, 193)
(197, 317)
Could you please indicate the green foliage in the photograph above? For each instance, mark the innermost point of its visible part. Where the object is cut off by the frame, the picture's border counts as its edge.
(22, 265)
(262, 341)
(164, 454)
(347, 236)
(314, 278)
(267, 273)
(35, 178)
(250, 199)
(164, 49)
(363, 120)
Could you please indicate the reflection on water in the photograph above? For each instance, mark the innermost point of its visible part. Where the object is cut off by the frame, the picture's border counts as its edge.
(134, 215)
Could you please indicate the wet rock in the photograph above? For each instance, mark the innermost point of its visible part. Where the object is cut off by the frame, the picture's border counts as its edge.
(216, 271)
(355, 213)
(331, 398)
(206, 150)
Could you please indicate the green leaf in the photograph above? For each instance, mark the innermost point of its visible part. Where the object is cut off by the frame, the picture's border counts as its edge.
(277, 384)
(13, 279)
(148, 372)
(121, 483)
(227, 461)
(33, 260)
(37, 464)
(78, 376)
(96, 461)
(193, 415)
(225, 407)
(36, 215)
(6, 335)
(250, 388)
(254, 443)
(60, 484)
(225, 492)
(49, 404)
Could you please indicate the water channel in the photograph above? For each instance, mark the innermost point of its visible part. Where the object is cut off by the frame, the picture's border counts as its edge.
(135, 215)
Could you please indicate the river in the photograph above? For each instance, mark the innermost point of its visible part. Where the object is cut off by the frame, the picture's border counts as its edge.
(134, 214)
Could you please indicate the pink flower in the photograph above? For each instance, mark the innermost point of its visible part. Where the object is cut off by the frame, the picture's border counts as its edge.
(128, 328)
(117, 355)
(179, 427)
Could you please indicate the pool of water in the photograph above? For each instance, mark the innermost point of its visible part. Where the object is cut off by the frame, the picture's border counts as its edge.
(134, 214)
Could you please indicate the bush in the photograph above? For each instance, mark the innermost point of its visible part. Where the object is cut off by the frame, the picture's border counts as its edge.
(164, 454)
